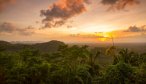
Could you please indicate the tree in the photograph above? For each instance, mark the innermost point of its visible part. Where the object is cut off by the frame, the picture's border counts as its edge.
(121, 73)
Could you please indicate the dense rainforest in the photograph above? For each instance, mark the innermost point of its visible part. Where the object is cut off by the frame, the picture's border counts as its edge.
(57, 63)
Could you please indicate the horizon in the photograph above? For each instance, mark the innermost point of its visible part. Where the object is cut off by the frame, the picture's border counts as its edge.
(34, 42)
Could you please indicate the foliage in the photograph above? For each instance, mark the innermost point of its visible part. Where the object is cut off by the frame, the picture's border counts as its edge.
(70, 65)
(120, 73)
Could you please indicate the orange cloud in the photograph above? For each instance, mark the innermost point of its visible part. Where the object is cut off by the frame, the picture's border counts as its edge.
(58, 13)
(61, 11)
(131, 31)
(10, 28)
(101, 36)
(119, 4)
(5, 3)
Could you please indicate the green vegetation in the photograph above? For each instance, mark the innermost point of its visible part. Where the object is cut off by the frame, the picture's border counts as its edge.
(63, 64)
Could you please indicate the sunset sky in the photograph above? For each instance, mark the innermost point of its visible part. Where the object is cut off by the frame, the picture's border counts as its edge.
(73, 20)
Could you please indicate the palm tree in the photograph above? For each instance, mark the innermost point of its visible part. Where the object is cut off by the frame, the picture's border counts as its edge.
(94, 70)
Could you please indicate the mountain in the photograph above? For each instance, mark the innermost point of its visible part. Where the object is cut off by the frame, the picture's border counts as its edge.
(50, 47)
(4, 43)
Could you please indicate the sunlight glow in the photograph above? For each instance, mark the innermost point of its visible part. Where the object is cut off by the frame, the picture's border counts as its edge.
(103, 36)
(96, 28)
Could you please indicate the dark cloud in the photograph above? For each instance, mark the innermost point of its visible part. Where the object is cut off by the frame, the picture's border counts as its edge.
(61, 11)
(58, 13)
(136, 29)
(5, 3)
(7, 27)
(111, 2)
(119, 4)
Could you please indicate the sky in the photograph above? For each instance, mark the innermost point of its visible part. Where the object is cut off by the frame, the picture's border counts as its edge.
(97, 21)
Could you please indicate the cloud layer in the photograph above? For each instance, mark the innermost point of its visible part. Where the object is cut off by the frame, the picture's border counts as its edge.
(136, 29)
(119, 4)
(131, 31)
(96, 35)
(7, 27)
(58, 13)
(61, 11)
(5, 3)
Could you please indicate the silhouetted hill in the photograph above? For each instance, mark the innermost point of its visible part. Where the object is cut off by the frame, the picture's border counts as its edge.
(4, 43)
(50, 47)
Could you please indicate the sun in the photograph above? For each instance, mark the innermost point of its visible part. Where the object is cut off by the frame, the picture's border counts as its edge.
(104, 36)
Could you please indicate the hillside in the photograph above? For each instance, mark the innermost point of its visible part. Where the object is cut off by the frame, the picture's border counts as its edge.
(51, 46)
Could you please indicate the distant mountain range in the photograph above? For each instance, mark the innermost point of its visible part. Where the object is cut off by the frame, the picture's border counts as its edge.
(52, 46)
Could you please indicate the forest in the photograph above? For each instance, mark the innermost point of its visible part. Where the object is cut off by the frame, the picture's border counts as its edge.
(55, 62)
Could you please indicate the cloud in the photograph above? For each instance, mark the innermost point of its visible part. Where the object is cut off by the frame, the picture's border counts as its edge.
(119, 4)
(111, 2)
(131, 31)
(61, 11)
(92, 35)
(7, 27)
(5, 3)
(58, 13)
(136, 29)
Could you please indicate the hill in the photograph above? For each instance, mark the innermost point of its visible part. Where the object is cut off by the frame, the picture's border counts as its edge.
(51, 46)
